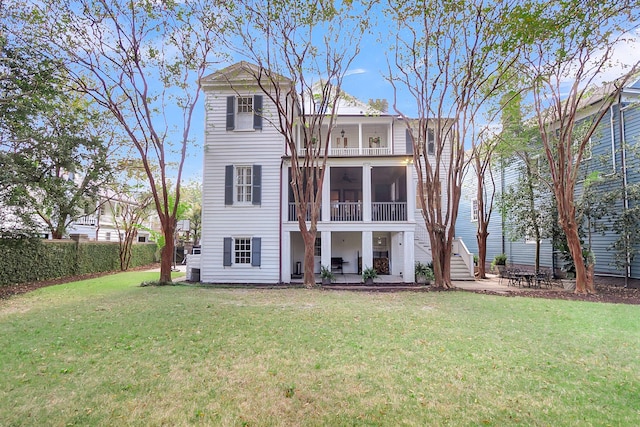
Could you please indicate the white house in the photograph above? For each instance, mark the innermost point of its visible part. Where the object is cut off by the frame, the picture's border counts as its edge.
(249, 228)
(105, 224)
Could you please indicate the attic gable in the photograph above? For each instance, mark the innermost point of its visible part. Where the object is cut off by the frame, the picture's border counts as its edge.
(240, 74)
(347, 105)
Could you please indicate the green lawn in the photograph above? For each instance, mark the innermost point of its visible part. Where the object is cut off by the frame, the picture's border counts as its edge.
(108, 352)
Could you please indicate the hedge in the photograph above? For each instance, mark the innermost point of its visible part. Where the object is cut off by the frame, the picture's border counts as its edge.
(29, 260)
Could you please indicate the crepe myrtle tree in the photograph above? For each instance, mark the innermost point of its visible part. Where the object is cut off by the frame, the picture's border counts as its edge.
(453, 60)
(574, 45)
(299, 57)
(141, 61)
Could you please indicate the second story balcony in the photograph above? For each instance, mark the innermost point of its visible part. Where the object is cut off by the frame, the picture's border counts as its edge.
(350, 140)
(347, 202)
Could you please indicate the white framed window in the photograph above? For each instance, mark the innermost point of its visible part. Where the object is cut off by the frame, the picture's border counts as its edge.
(244, 110)
(474, 210)
(243, 184)
(242, 250)
(431, 142)
(107, 236)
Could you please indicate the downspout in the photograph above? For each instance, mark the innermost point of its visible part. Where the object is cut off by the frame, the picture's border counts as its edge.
(502, 215)
(625, 194)
(280, 224)
(613, 139)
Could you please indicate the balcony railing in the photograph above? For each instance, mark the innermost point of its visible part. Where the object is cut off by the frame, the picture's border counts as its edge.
(293, 213)
(389, 211)
(86, 220)
(352, 211)
(353, 151)
(346, 211)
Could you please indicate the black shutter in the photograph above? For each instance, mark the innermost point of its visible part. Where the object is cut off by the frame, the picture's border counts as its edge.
(256, 246)
(409, 142)
(226, 255)
(231, 113)
(430, 142)
(257, 112)
(228, 185)
(256, 191)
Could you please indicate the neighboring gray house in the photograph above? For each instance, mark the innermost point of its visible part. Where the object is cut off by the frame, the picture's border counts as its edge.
(613, 152)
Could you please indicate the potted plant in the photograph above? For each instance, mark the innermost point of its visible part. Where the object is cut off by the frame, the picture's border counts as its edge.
(327, 275)
(499, 262)
(368, 274)
(475, 264)
(423, 273)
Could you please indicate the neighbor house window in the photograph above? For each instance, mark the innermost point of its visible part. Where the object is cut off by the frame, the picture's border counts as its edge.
(107, 236)
(242, 251)
(430, 142)
(474, 210)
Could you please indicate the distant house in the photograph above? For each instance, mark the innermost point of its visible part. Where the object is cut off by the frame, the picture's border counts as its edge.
(250, 234)
(105, 225)
(615, 142)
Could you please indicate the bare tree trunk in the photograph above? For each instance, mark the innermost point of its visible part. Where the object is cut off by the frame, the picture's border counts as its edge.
(309, 239)
(482, 248)
(583, 284)
(166, 258)
(441, 262)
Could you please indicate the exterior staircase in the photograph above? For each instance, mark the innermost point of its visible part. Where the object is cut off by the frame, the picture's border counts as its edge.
(459, 270)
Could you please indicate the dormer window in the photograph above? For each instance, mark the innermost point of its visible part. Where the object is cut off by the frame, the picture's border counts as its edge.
(244, 113)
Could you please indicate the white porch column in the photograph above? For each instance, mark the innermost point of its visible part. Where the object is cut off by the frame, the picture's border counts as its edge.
(284, 192)
(325, 209)
(325, 249)
(411, 194)
(409, 260)
(285, 257)
(359, 138)
(366, 192)
(367, 249)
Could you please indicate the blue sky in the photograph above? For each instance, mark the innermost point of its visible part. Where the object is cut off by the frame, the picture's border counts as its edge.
(366, 79)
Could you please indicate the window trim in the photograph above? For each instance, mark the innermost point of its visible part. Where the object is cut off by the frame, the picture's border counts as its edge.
(474, 210)
(242, 253)
(248, 175)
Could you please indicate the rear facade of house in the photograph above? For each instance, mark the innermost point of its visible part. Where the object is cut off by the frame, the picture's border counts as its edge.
(250, 233)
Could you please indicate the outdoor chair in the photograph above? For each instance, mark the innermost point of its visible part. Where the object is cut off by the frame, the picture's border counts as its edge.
(336, 264)
(543, 278)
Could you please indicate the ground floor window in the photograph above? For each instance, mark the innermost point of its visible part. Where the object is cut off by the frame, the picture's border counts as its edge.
(242, 251)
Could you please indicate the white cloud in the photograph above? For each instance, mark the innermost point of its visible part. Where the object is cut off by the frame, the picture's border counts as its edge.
(355, 71)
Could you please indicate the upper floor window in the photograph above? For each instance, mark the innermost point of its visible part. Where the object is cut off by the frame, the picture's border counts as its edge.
(430, 142)
(243, 184)
(474, 210)
(244, 112)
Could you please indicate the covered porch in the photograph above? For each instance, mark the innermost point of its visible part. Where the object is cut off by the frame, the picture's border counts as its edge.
(346, 253)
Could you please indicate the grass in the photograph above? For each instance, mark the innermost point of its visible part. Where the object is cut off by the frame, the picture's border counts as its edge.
(108, 352)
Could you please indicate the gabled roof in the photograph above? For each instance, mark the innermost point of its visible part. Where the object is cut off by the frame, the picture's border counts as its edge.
(347, 105)
(239, 74)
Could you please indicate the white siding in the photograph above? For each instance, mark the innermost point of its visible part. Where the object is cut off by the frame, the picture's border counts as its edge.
(260, 147)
